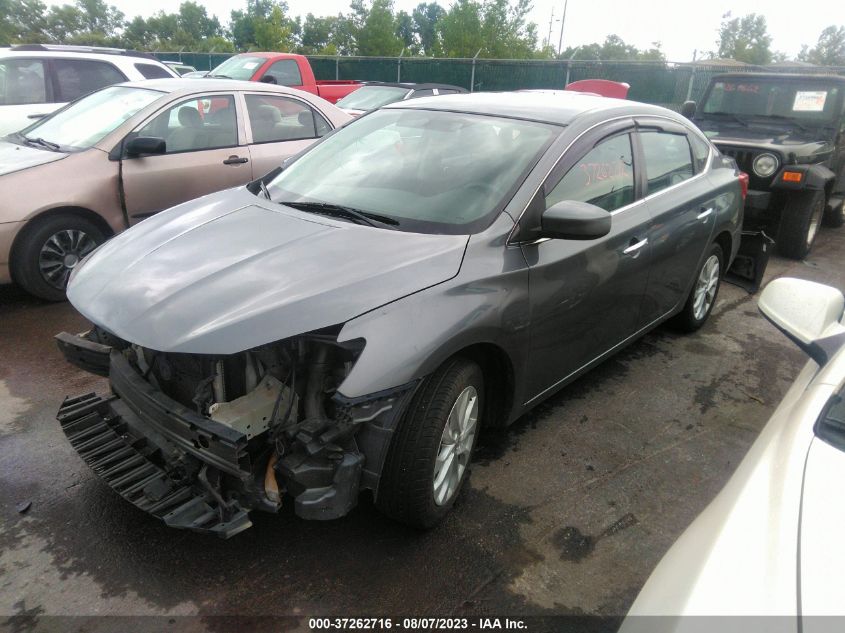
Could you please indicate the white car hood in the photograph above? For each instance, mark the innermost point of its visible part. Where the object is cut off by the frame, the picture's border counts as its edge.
(14, 157)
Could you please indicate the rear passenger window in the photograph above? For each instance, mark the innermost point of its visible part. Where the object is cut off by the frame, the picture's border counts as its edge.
(151, 71)
(603, 177)
(667, 159)
(22, 82)
(284, 72)
(275, 119)
(196, 124)
(78, 77)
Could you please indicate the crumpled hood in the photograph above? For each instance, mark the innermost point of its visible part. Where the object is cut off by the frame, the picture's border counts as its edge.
(228, 272)
(15, 157)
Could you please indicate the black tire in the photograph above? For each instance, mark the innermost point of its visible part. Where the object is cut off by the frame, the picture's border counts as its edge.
(406, 490)
(834, 216)
(26, 259)
(691, 318)
(800, 221)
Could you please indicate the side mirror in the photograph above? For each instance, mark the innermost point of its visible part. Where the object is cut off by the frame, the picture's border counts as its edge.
(141, 145)
(810, 314)
(571, 220)
(688, 109)
(268, 79)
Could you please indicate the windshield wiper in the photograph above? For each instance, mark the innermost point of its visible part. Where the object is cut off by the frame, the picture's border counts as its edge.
(219, 76)
(340, 211)
(783, 117)
(730, 114)
(40, 141)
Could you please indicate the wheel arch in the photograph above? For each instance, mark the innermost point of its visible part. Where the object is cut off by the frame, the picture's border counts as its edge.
(31, 223)
(499, 380)
(725, 241)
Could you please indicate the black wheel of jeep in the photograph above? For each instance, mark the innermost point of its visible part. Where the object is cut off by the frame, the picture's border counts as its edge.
(800, 221)
(704, 291)
(428, 458)
(834, 216)
(48, 251)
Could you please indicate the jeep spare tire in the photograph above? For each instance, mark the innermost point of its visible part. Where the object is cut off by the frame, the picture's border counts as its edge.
(800, 221)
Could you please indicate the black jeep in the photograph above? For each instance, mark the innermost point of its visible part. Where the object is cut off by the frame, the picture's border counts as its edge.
(787, 132)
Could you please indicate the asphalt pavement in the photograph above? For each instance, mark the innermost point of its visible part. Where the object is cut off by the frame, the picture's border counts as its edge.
(567, 512)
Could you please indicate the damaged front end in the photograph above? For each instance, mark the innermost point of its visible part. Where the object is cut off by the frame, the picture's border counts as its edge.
(201, 440)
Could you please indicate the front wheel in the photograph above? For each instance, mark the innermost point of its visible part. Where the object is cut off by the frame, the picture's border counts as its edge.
(48, 251)
(800, 221)
(704, 291)
(428, 458)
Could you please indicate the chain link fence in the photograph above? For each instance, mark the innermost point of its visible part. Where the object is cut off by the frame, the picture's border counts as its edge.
(664, 83)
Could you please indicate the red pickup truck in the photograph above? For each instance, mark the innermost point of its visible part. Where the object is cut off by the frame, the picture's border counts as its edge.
(283, 69)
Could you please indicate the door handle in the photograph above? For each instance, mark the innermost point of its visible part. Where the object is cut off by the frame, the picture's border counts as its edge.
(635, 246)
(235, 160)
(705, 213)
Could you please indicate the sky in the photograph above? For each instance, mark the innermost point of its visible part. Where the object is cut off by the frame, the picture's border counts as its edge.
(682, 26)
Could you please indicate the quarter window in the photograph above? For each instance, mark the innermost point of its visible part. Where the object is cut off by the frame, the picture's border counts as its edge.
(196, 124)
(603, 177)
(275, 119)
(22, 82)
(284, 72)
(78, 77)
(151, 71)
(668, 160)
(700, 152)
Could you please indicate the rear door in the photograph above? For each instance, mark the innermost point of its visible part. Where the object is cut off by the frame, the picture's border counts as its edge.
(586, 295)
(279, 126)
(682, 205)
(206, 152)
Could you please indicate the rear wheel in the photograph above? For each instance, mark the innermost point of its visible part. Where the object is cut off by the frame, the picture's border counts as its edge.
(800, 221)
(429, 456)
(704, 291)
(49, 250)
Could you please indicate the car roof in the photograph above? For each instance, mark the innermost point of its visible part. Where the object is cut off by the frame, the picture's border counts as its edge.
(202, 84)
(560, 109)
(81, 52)
(784, 76)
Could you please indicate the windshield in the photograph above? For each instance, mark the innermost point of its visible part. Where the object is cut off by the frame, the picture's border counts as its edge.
(805, 100)
(86, 121)
(241, 67)
(372, 97)
(430, 171)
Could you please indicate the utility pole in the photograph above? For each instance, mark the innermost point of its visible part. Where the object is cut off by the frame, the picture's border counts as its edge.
(562, 24)
(551, 21)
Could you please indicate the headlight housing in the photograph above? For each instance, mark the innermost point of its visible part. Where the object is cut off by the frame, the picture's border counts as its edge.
(765, 165)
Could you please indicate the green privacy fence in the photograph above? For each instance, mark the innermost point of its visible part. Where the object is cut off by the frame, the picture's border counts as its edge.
(664, 83)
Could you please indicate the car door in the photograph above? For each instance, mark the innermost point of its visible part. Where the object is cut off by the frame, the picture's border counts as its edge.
(203, 155)
(682, 205)
(586, 295)
(280, 126)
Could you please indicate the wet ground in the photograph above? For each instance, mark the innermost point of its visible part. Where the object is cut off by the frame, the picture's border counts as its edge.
(565, 513)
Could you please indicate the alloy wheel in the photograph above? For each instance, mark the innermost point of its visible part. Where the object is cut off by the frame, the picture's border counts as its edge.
(706, 286)
(455, 446)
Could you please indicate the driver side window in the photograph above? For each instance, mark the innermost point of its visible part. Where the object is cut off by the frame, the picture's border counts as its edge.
(603, 177)
(198, 123)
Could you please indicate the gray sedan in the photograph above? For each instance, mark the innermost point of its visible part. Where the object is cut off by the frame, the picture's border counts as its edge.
(353, 320)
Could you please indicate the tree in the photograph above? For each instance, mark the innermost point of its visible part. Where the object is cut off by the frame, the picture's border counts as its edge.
(98, 17)
(274, 33)
(26, 21)
(506, 32)
(829, 50)
(744, 39)
(426, 19)
(460, 29)
(406, 32)
(266, 19)
(376, 34)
